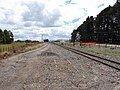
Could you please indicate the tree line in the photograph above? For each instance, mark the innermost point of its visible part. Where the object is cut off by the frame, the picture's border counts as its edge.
(6, 37)
(105, 28)
(28, 41)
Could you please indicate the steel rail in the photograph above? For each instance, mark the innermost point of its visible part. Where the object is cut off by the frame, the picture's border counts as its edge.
(107, 62)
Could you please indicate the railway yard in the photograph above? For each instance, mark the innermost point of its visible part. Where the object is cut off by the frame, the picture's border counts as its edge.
(57, 67)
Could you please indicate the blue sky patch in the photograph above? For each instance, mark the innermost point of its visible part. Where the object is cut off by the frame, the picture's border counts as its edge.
(75, 20)
(100, 5)
(68, 1)
(66, 23)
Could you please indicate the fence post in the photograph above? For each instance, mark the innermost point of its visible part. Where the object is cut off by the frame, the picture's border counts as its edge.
(105, 45)
(13, 49)
(0, 50)
(3, 49)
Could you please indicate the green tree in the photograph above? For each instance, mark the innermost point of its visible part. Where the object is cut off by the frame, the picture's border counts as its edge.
(11, 36)
(73, 35)
(6, 37)
(105, 28)
(1, 36)
(86, 30)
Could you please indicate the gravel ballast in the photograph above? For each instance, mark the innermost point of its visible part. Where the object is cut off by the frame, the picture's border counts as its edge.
(54, 68)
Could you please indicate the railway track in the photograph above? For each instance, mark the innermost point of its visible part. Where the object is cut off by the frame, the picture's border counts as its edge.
(111, 63)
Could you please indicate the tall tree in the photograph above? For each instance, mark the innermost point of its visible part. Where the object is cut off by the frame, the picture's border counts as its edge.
(6, 37)
(86, 30)
(1, 36)
(73, 37)
(11, 36)
(105, 28)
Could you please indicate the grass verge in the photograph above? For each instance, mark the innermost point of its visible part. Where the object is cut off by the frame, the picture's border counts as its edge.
(104, 52)
(7, 50)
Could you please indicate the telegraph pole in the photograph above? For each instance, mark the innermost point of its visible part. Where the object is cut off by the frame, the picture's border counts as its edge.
(42, 37)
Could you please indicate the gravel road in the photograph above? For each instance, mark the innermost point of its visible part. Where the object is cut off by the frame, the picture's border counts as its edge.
(54, 68)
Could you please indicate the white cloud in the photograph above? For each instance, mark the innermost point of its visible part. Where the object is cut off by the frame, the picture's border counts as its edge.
(28, 19)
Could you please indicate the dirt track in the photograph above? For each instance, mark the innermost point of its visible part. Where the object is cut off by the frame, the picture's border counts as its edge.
(54, 68)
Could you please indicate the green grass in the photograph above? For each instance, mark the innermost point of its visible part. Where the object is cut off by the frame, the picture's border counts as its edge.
(105, 51)
(10, 47)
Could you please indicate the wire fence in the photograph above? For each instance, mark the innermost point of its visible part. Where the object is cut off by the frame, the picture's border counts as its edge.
(90, 45)
(11, 47)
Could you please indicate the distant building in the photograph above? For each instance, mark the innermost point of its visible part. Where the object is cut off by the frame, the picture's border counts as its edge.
(46, 40)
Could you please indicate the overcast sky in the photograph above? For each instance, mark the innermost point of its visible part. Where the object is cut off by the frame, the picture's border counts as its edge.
(55, 19)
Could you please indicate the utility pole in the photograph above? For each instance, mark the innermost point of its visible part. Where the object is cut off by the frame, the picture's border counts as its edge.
(42, 37)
